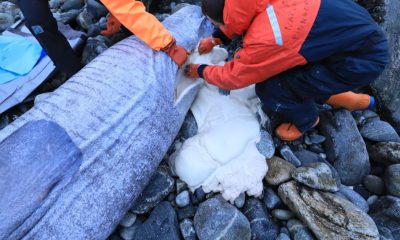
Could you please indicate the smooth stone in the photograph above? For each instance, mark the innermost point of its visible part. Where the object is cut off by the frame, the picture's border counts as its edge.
(128, 220)
(317, 175)
(182, 199)
(189, 127)
(93, 47)
(161, 222)
(72, 5)
(317, 139)
(180, 186)
(362, 191)
(379, 131)
(282, 215)
(307, 140)
(85, 20)
(345, 147)
(354, 197)
(262, 225)
(160, 185)
(298, 231)
(374, 184)
(372, 199)
(54, 4)
(328, 216)
(271, 199)
(198, 196)
(316, 149)
(217, 219)
(11, 9)
(279, 171)
(283, 236)
(96, 9)
(385, 234)
(289, 156)
(128, 233)
(187, 229)
(6, 20)
(386, 214)
(392, 180)
(186, 212)
(239, 201)
(385, 153)
(284, 230)
(266, 144)
(67, 17)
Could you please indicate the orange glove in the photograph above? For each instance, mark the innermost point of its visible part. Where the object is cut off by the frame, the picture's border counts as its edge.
(177, 53)
(113, 26)
(191, 71)
(207, 44)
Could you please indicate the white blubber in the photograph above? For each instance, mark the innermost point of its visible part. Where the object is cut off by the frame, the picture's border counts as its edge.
(223, 156)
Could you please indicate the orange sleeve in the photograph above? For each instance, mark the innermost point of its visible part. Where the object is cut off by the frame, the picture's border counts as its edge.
(252, 65)
(132, 14)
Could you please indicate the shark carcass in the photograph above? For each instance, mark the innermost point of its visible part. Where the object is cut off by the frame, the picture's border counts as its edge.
(72, 166)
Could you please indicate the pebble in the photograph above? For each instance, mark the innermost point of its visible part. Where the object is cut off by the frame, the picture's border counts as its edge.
(354, 197)
(317, 175)
(385, 153)
(128, 220)
(372, 199)
(186, 212)
(316, 149)
(239, 201)
(266, 145)
(379, 131)
(180, 186)
(283, 236)
(128, 233)
(189, 127)
(374, 184)
(289, 156)
(392, 180)
(271, 199)
(182, 199)
(317, 139)
(96, 9)
(72, 5)
(6, 20)
(386, 214)
(282, 215)
(298, 231)
(187, 229)
(279, 171)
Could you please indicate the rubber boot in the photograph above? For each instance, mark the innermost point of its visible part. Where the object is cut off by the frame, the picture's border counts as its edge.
(289, 132)
(352, 101)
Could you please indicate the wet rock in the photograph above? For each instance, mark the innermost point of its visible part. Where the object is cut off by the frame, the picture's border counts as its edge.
(239, 201)
(328, 216)
(385, 153)
(374, 184)
(289, 156)
(262, 225)
(85, 20)
(189, 127)
(379, 131)
(386, 214)
(298, 231)
(162, 222)
(128, 233)
(282, 215)
(344, 146)
(317, 175)
(72, 5)
(128, 220)
(271, 199)
(392, 180)
(353, 197)
(187, 230)
(93, 47)
(182, 199)
(266, 145)
(160, 185)
(6, 20)
(215, 218)
(96, 9)
(279, 171)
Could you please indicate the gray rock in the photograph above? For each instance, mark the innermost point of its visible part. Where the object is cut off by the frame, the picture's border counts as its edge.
(385, 234)
(96, 9)
(386, 214)
(344, 146)
(262, 225)
(392, 180)
(317, 175)
(180, 186)
(385, 153)
(289, 156)
(54, 4)
(198, 196)
(266, 145)
(374, 184)
(215, 218)
(283, 236)
(186, 212)
(187, 230)
(354, 197)
(282, 215)
(6, 20)
(128, 220)
(317, 139)
(160, 185)
(387, 88)
(72, 5)
(182, 199)
(93, 47)
(379, 131)
(279, 171)
(239, 201)
(162, 222)
(189, 127)
(11, 9)
(271, 199)
(327, 216)
(372, 199)
(298, 231)
(67, 17)
(128, 233)
(85, 20)
(284, 230)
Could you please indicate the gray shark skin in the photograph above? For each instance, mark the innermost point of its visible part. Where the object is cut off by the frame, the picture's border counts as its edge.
(122, 113)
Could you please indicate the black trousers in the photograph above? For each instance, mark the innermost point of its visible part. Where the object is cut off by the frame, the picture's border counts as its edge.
(43, 26)
(293, 94)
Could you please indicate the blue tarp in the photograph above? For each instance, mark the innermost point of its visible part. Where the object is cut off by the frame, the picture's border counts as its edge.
(17, 57)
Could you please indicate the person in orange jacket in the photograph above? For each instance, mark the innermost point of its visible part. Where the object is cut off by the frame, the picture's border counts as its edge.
(298, 53)
(132, 14)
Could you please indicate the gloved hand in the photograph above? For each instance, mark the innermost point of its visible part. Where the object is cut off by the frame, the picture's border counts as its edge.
(177, 53)
(191, 71)
(113, 26)
(207, 44)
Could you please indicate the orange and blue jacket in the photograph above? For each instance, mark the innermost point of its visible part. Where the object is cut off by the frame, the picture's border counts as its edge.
(132, 14)
(282, 34)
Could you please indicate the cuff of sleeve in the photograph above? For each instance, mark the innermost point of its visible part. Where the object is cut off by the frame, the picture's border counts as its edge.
(219, 34)
(200, 70)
